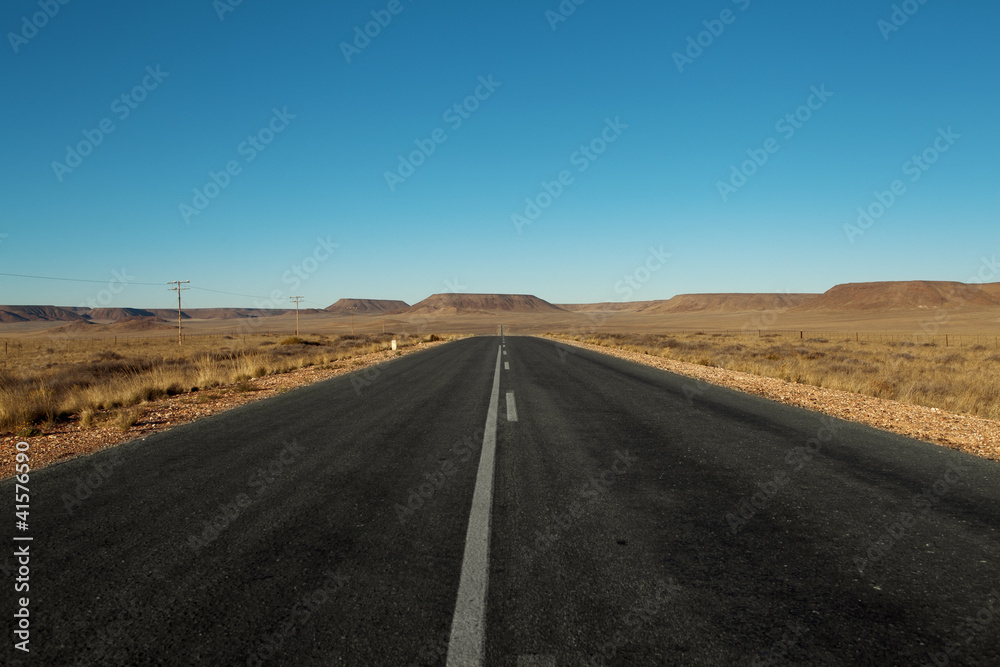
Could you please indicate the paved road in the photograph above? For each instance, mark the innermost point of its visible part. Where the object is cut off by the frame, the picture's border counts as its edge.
(636, 517)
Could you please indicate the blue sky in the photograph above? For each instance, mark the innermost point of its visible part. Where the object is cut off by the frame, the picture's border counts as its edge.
(314, 213)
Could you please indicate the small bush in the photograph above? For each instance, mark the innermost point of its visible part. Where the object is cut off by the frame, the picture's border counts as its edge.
(125, 419)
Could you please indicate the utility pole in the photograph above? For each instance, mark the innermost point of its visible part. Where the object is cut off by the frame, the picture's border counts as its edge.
(296, 299)
(177, 288)
(352, 309)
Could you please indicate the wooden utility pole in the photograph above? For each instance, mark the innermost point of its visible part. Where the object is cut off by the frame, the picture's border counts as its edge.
(177, 288)
(352, 309)
(296, 299)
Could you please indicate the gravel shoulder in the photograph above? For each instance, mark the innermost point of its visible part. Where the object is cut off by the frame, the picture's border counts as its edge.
(973, 435)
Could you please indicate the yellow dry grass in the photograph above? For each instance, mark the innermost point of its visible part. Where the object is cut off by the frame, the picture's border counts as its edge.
(50, 380)
(916, 370)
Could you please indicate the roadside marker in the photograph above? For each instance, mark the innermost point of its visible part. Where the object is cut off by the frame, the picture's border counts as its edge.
(467, 642)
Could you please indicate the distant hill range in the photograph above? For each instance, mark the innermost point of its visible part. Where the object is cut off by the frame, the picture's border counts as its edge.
(849, 297)
(10, 314)
(368, 306)
(700, 303)
(38, 314)
(452, 303)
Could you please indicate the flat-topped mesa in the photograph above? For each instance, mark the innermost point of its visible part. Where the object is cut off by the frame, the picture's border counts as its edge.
(905, 295)
(368, 306)
(696, 303)
(479, 303)
(730, 302)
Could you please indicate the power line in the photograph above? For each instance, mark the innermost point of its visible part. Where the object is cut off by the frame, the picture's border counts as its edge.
(104, 282)
(72, 280)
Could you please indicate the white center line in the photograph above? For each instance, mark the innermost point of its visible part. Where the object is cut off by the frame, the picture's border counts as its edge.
(506, 365)
(468, 626)
(511, 408)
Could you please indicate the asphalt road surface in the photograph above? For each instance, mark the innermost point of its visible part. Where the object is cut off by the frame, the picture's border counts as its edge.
(513, 502)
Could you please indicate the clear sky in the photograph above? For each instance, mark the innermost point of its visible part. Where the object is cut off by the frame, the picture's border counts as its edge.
(638, 130)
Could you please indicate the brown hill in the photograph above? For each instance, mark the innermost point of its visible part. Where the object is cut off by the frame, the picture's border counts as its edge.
(118, 314)
(904, 295)
(80, 326)
(168, 314)
(376, 306)
(140, 324)
(483, 303)
(38, 314)
(993, 289)
(222, 313)
(609, 306)
(729, 303)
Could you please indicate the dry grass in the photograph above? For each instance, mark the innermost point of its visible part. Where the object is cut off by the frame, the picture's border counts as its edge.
(47, 381)
(963, 380)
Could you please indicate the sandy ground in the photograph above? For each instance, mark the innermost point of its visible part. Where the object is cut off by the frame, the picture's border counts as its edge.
(966, 322)
(968, 434)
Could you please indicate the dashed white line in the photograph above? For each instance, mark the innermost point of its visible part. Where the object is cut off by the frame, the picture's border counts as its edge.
(506, 365)
(468, 626)
(511, 408)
